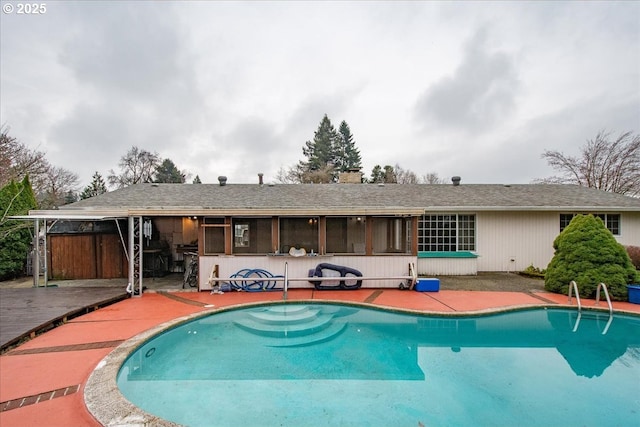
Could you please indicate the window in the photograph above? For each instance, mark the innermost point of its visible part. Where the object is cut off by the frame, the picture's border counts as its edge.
(391, 235)
(241, 235)
(346, 234)
(611, 221)
(299, 232)
(466, 232)
(447, 233)
(251, 235)
(565, 219)
(213, 236)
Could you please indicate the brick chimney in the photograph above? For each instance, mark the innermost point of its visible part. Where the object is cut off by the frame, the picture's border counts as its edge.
(352, 176)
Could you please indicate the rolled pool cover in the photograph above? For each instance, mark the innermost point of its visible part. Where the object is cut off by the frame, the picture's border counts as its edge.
(345, 273)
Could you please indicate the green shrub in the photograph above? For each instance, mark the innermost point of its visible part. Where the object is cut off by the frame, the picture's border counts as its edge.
(532, 271)
(15, 236)
(588, 253)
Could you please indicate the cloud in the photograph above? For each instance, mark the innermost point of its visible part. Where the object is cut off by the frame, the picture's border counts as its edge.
(481, 92)
(514, 154)
(131, 50)
(132, 85)
(236, 88)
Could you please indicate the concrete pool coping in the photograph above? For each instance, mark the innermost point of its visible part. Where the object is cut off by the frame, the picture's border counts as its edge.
(107, 404)
(43, 381)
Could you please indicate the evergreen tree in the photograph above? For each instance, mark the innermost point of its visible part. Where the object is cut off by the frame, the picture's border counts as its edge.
(587, 253)
(380, 175)
(329, 153)
(70, 197)
(347, 156)
(96, 187)
(167, 172)
(197, 180)
(377, 175)
(15, 236)
(320, 153)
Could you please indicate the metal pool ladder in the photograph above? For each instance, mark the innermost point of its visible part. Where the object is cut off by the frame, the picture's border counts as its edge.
(606, 294)
(286, 281)
(573, 287)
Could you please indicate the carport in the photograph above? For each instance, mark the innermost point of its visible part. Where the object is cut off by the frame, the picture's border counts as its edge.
(132, 245)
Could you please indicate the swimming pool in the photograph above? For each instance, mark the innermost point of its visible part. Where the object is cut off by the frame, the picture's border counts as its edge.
(327, 364)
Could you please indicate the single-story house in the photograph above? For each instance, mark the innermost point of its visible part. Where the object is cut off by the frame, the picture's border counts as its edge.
(378, 229)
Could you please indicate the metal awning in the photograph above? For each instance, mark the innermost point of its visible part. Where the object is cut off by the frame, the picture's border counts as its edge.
(65, 217)
(60, 216)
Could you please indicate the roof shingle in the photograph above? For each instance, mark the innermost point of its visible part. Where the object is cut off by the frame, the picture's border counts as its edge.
(340, 198)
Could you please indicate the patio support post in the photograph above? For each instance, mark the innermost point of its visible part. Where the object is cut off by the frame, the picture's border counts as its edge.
(35, 257)
(139, 255)
(135, 255)
(39, 256)
(44, 256)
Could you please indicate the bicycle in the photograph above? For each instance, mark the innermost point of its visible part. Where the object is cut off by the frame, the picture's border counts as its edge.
(191, 271)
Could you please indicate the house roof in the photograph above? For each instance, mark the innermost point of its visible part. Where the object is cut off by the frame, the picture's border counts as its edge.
(344, 199)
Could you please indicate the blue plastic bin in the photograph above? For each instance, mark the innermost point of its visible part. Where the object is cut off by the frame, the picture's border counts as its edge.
(634, 293)
(428, 285)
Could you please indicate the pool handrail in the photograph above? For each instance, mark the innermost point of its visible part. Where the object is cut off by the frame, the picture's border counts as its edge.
(286, 281)
(601, 285)
(573, 286)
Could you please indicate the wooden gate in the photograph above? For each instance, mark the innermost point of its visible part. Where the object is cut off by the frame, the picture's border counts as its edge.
(86, 256)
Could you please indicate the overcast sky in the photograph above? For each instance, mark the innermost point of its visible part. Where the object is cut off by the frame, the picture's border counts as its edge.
(476, 89)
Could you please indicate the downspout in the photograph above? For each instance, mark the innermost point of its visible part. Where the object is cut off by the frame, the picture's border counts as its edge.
(36, 253)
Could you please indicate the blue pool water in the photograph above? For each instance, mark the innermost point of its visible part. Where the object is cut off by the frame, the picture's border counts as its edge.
(331, 365)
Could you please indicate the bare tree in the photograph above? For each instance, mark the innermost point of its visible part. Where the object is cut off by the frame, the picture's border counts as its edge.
(136, 166)
(432, 178)
(609, 165)
(287, 176)
(18, 161)
(405, 176)
(59, 182)
(323, 175)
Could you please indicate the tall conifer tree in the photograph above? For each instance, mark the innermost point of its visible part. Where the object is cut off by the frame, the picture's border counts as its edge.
(96, 187)
(347, 155)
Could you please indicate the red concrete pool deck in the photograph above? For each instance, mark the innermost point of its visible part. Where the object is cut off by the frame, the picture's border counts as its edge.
(42, 380)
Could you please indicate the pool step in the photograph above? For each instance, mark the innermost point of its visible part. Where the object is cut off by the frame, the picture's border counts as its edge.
(285, 315)
(282, 329)
(290, 325)
(297, 341)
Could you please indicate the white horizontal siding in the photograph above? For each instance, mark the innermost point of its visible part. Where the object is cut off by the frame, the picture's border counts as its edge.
(505, 241)
(447, 266)
(511, 241)
(629, 229)
(371, 266)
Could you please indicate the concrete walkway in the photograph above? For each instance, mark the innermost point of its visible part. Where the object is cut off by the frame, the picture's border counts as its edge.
(42, 381)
